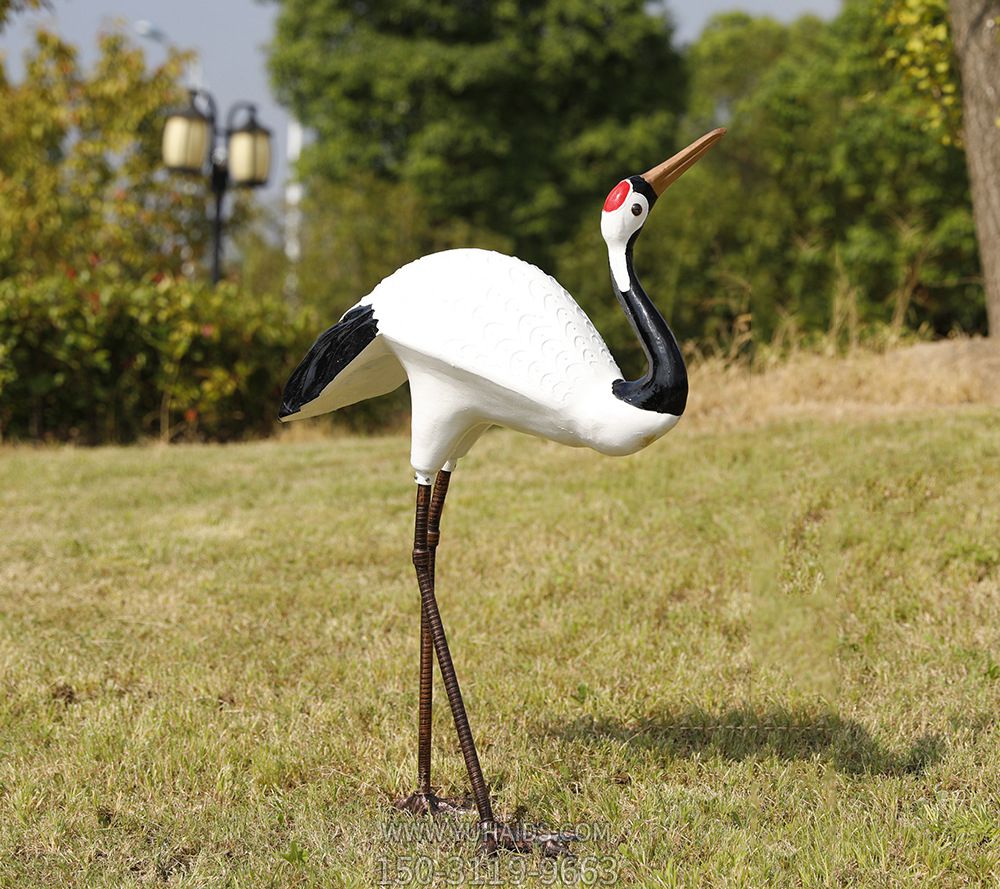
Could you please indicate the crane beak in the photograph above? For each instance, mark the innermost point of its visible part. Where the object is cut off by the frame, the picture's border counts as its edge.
(666, 174)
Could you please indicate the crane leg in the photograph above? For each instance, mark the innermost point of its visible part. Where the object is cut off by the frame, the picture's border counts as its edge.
(422, 561)
(493, 835)
(423, 801)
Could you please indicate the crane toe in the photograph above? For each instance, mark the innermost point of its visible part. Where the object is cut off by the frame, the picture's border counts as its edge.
(525, 839)
(418, 803)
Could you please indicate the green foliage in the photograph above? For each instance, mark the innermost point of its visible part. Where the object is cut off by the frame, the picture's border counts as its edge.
(99, 360)
(80, 173)
(827, 205)
(872, 206)
(295, 855)
(831, 205)
(353, 234)
(504, 115)
(918, 46)
(100, 339)
(9, 7)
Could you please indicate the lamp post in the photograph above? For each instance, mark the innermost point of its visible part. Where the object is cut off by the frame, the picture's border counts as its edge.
(238, 156)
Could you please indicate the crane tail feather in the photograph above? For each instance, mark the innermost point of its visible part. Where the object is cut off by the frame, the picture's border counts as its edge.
(332, 352)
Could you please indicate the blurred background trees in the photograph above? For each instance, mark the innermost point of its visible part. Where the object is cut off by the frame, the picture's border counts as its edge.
(80, 176)
(504, 116)
(9, 7)
(107, 329)
(949, 53)
(838, 208)
(833, 203)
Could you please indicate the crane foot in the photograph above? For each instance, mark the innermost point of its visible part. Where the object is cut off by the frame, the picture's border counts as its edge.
(418, 803)
(525, 839)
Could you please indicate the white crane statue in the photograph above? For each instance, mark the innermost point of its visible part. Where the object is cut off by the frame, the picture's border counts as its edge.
(489, 340)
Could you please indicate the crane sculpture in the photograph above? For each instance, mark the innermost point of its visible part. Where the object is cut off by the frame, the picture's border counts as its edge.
(489, 340)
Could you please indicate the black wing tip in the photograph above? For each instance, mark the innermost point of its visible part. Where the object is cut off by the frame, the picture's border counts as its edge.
(333, 350)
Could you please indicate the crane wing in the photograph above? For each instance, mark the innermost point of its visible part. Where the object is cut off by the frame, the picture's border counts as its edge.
(348, 363)
(497, 318)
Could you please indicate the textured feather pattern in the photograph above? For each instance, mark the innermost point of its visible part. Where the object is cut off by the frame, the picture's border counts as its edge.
(498, 318)
(332, 352)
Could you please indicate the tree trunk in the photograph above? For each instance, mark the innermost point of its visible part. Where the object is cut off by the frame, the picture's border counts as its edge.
(975, 28)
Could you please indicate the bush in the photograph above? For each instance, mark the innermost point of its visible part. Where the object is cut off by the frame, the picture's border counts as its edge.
(89, 361)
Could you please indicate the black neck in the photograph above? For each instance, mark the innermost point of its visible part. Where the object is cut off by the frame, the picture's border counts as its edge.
(664, 387)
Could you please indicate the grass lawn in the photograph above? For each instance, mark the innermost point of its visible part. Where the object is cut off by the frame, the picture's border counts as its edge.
(769, 656)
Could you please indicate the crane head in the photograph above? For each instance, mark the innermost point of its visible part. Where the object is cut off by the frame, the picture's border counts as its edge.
(629, 202)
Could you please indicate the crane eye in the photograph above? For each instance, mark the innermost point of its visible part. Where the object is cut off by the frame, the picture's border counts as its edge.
(637, 209)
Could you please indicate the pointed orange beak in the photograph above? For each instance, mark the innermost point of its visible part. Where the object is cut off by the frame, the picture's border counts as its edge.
(666, 174)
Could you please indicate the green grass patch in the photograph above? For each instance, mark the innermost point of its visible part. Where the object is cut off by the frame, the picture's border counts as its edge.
(764, 657)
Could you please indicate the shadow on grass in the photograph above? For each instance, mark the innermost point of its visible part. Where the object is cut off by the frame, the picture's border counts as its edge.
(741, 733)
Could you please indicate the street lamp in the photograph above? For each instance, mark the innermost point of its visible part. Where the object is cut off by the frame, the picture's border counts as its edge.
(238, 155)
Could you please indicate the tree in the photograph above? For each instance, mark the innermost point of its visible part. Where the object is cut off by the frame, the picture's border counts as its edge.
(828, 206)
(918, 45)
(346, 248)
(101, 338)
(925, 39)
(833, 204)
(506, 116)
(81, 181)
(976, 34)
(9, 7)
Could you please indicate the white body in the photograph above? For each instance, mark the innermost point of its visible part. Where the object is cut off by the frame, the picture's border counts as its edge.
(487, 339)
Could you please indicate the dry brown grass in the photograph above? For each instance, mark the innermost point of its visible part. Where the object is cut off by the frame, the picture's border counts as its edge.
(862, 384)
